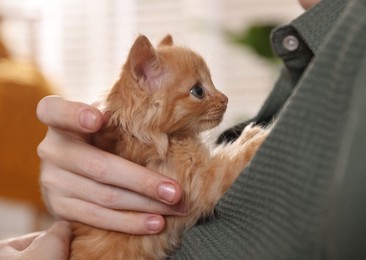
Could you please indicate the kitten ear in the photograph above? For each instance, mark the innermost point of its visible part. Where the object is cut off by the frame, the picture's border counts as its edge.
(166, 41)
(143, 60)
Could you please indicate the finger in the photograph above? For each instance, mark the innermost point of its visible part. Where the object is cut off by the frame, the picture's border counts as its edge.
(74, 116)
(111, 169)
(82, 188)
(122, 221)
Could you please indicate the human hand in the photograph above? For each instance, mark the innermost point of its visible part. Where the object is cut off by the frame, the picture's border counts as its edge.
(83, 183)
(51, 244)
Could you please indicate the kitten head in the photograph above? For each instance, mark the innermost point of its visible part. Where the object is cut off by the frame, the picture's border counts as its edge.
(166, 90)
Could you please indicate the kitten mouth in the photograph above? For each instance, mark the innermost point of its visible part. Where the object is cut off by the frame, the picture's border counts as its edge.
(212, 121)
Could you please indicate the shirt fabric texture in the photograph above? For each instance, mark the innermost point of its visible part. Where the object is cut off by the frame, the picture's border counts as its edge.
(303, 196)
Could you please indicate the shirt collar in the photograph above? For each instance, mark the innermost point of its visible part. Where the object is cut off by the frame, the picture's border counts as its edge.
(315, 24)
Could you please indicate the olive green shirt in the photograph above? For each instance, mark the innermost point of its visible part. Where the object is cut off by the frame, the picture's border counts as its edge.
(303, 196)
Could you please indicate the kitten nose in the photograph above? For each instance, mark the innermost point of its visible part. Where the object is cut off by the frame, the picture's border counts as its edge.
(224, 100)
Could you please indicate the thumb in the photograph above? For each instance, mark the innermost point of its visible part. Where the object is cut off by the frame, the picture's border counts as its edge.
(52, 244)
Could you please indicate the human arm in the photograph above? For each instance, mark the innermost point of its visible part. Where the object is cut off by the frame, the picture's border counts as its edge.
(83, 183)
(51, 244)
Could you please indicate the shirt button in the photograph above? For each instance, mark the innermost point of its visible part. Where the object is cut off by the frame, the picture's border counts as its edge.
(291, 43)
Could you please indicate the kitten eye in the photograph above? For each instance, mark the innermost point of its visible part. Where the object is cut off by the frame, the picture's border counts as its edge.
(197, 91)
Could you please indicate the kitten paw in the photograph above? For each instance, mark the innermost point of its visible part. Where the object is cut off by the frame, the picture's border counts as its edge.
(252, 132)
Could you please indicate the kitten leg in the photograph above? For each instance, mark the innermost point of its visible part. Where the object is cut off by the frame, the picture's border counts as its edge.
(249, 132)
(249, 142)
(226, 165)
(236, 156)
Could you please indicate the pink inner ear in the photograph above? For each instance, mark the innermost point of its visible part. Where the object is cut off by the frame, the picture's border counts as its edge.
(144, 63)
(154, 77)
(151, 68)
(149, 73)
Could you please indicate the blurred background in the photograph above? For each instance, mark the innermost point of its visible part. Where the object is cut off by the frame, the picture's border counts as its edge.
(75, 48)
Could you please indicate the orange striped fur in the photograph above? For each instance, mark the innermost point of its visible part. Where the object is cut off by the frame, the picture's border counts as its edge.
(156, 120)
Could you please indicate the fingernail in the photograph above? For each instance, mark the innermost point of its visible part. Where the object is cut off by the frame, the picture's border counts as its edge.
(166, 191)
(153, 223)
(87, 119)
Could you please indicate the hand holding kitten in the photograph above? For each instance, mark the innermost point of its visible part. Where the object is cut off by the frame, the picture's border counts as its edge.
(154, 114)
(76, 177)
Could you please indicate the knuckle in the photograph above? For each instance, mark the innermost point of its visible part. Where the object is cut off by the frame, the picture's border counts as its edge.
(56, 207)
(50, 187)
(96, 167)
(94, 216)
(47, 148)
(47, 180)
(108, 197)
(54, 204)
(42, 150)
(145, 182)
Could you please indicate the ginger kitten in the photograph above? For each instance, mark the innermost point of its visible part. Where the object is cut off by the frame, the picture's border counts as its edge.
(161, 103)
